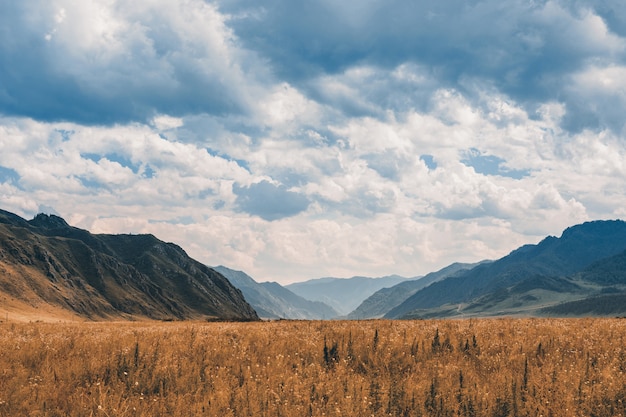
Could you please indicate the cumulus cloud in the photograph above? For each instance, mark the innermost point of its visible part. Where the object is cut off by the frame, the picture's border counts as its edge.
(303, 139)
(268, 201)
(527, 50)
(102, 62)
(133, 165)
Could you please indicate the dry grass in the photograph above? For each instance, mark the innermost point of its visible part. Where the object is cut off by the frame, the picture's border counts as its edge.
(522, 367)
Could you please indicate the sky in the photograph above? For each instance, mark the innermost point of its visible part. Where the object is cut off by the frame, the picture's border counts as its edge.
(302, 139)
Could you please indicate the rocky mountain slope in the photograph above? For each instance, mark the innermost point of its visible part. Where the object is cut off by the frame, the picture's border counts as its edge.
(273, 301)
(583, 264)
(47, 265)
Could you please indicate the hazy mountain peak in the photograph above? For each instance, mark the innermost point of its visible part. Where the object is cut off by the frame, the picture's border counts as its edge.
(343, 294)
(272, 300)
(385, 299)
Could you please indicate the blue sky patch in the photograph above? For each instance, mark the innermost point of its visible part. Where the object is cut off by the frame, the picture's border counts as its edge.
(89, 182)
(491, 165)
(65, 134)
(9, 175)
(429, 161)
(148, 172)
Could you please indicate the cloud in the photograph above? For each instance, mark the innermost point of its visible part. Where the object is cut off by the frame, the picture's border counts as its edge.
(303, 139)
(597, 98)
(107, 62)
(132, 164)
(373, 178)
(268, 201)
(165, 122)
(526, 50)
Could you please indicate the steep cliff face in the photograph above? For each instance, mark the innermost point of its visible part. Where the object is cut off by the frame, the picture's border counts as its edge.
(46, 262)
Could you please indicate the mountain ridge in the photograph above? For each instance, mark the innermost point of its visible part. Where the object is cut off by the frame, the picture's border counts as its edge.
(273, 301)
(385, 299)
(45, 261)
(524, 278)
(48, 266)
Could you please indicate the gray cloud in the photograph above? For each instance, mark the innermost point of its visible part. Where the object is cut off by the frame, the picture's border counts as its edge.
(388, 164)
(139, 61)
(268, 201)
(116, 65)
(527, 50)
(350, 121)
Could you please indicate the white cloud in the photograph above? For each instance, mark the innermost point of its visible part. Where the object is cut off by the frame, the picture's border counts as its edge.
(286, 105)
(336, 152)
(107, 61)
(67, 167)
(165, 122)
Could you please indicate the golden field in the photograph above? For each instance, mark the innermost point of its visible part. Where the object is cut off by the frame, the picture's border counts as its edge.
(487, 367)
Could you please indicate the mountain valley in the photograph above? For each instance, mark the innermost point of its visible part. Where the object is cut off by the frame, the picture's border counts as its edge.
(49, 269)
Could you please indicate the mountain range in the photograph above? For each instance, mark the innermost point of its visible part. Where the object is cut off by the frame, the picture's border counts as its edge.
(51, 269)
(273, 301)
(342, 294)
(385, 299)
(48, 268)
(576, 274)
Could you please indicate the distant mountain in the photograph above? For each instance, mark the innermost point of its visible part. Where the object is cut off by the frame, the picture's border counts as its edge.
(598, 290)
(47, 265)
(273, 301)
(385, 299)
(342, 294)
(585, 260)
